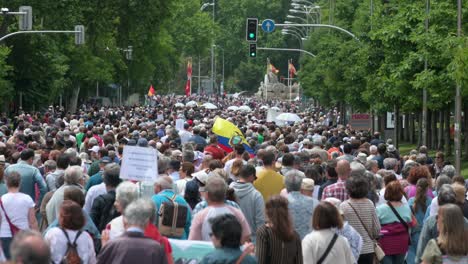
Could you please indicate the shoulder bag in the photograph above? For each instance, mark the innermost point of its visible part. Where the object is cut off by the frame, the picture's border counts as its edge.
(327, 251)
(14, 229)
(379, 253)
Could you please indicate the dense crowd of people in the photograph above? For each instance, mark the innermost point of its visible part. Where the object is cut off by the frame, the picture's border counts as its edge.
(312, 191)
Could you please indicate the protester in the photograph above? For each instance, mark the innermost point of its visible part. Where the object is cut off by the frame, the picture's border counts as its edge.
(216, 188)
(338, 189)
(185, 172)
(250, 200)
(277, 241)
(361, 215)
(419, 204)
(452, 243)
(269, 182)
(323, 244)
(133, 246)
(226, 237)
(17, 212)
(395, 220)
(71, 221)
(28, 247)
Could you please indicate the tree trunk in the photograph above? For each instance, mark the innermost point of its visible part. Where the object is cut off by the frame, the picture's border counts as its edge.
(396, 130)
(465, 129)
(406, 131)
(433, 129)
(448, 141)
(411, 127)
(440, 136)
(419, 128)
(74, 99)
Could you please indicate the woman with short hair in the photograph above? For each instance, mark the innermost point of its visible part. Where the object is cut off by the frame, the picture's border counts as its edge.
(277, 241)
(72, 221)
(185, 172)
(451, 246)
(17, 212)
(395, 219)
(323, 244)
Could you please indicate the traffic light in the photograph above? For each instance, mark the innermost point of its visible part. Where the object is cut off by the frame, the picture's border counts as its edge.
(79, 35)
(253, 50)
(25, 20)
(252, 29)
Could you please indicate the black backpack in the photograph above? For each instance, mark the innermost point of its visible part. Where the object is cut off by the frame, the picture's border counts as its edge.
(71, 255)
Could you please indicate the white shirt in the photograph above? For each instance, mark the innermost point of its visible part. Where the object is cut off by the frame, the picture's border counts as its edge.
(434, 207)
(315, 244)
(92, 194)
(228, 166)
(17, 207)
(184, 136)
(181, 185)
(116, 227)
(383, 201)
(58, 245)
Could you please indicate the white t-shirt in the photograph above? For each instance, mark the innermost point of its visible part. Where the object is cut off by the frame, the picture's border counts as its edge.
(92, 194)
(228, 166)
(181, 185)
(17, 207)
(58, 245)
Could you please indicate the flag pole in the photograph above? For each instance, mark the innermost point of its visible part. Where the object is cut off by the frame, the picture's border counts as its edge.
(266, 88)
(289, 80)
(190, 78)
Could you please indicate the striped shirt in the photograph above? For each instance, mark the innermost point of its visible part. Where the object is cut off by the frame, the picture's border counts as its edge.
(270, 249)
(366, 210)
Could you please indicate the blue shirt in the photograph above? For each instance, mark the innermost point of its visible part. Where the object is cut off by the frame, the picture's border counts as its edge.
(302, 209)
(226, 255)
(30, 176)
(94, 180)
(162, 197)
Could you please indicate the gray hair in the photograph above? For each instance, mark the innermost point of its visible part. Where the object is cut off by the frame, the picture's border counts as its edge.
(216, 188)
(293, 180)
(441, 180)
(139, 213)
(71, 152)
(373, 149)
(188, 156)
(28, 246)
(371, 163)
(163, 164)
(165, 182)
(126, 193)
(390, 163)
(406, 169)
(73, 175)
(357, 169)
(50, 164)
(449, 170)
(446, 195)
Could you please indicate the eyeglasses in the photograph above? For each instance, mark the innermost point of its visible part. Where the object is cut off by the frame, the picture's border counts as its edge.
(210, 234)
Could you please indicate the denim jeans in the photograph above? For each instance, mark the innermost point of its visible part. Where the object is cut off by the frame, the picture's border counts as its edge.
(393, 259)
(6, 241)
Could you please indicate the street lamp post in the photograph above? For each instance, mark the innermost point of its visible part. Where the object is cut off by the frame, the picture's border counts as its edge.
(424, 110)
(458, 101)
(212, 43)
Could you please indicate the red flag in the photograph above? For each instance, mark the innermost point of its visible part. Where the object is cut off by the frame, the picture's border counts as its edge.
(151, 91)
(188, 88)
(272, 69)
(292, 69)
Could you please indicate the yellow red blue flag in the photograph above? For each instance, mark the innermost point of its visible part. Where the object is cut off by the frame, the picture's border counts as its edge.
(228, 135)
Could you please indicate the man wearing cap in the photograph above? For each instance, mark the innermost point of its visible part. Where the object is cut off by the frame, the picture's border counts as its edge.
(97, 178)
(213, 149)
(163, 189)
(250, 200)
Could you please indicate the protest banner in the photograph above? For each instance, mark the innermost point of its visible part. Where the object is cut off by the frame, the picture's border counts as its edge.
(139, 164)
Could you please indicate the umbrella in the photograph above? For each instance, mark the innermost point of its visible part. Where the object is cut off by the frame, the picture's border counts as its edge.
(179, 105)
(288, 117)
(233, 108)
(191, 104)
(264, 107)
(275, 108)
(209, 106)
(245, 108)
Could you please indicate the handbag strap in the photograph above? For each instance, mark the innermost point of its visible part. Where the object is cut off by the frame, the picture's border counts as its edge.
(362, 223)
(241, 257)
(398, 215)
(327, 251)
(6, 216)
(68, 238)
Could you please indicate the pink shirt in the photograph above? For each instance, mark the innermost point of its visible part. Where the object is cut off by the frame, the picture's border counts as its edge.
(201, 228)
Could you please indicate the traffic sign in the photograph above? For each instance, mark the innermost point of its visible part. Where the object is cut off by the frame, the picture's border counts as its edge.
(268, 25)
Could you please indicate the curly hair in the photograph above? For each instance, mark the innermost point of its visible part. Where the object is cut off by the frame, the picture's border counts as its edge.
(417, 173)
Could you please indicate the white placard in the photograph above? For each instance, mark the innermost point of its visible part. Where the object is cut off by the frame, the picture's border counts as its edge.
(179, 124)
(139, 164)
(160, 117)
